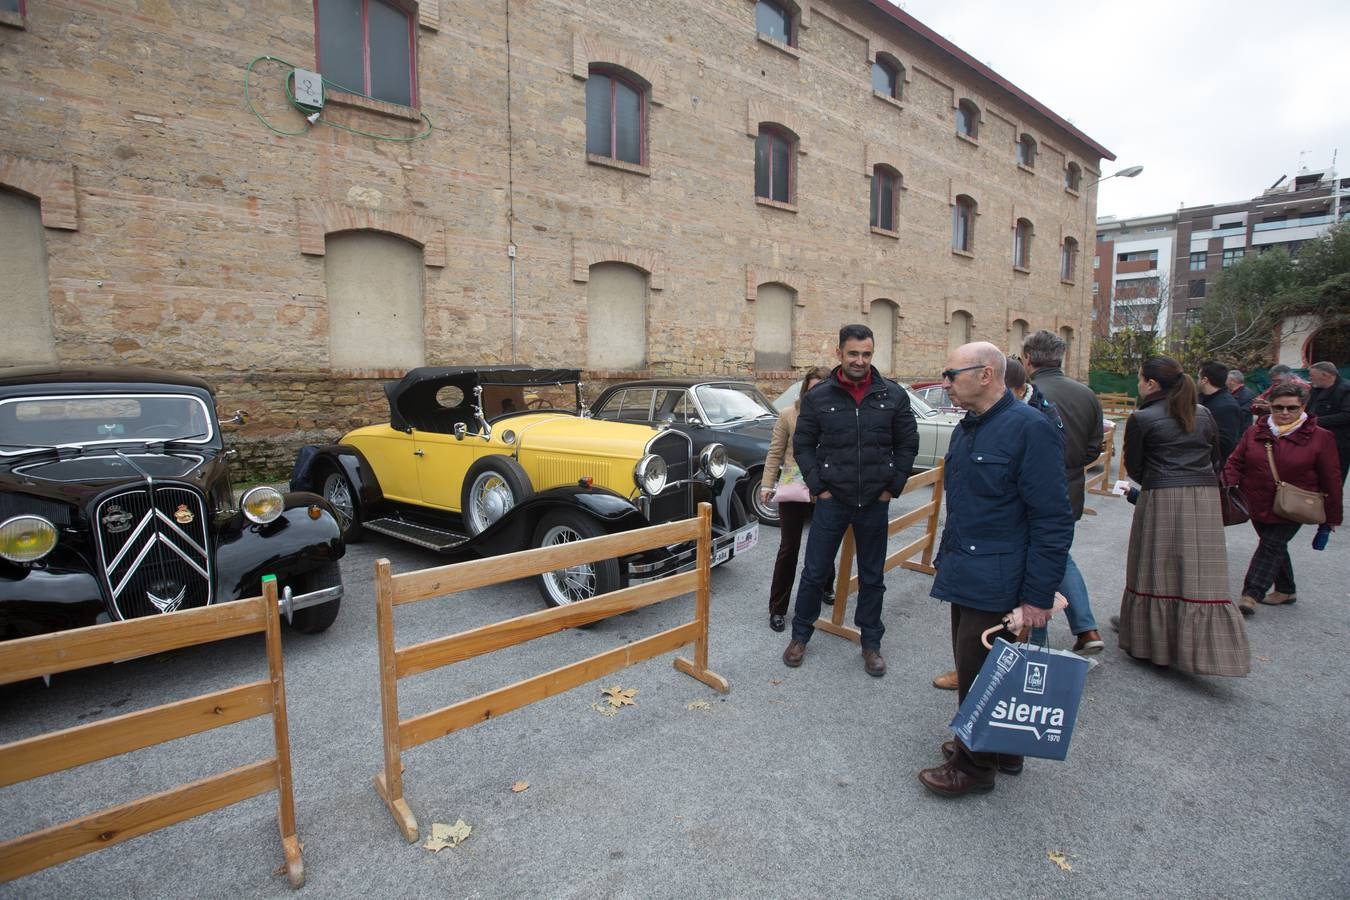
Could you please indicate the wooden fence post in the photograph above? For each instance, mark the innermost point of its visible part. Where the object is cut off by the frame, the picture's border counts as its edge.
(389, 783)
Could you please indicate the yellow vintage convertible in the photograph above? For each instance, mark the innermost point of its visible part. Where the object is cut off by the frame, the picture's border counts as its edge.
(493, 459)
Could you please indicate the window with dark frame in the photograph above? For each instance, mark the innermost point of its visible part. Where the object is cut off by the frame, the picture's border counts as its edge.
(1068, 259)
(1199, 261)
(1073, 177)
(773, 20)
(616, 117)
(1232, 255)
(1022, 235)
(368, 47)
(887, 78)
(1026, 151)
(773, 164)
(967, 119)
(1197, 286)
(885, 181)
(963, 224)
(14, 6)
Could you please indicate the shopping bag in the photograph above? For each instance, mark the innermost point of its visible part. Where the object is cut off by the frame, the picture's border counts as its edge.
(1024, 702)
(791, 488)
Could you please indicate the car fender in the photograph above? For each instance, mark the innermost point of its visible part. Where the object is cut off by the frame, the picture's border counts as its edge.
(313, 459)
(294, 543)
(723, 493)
(515, 530)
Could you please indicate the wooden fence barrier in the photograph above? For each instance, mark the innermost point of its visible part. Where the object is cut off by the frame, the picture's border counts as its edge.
(846, 583)
(1120, 404)
(57, 751)
(410, 587)
(1101, 482)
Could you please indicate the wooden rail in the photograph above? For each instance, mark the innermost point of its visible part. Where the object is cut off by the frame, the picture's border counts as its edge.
(1100, 483)
(847, 583)
(410, 587)
(60, 750)
(1116, 404)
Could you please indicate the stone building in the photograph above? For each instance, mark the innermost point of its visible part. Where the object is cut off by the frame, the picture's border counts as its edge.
(624, 186)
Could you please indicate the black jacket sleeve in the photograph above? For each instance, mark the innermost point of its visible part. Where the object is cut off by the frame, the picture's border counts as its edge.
(805, 441)
(905, 440)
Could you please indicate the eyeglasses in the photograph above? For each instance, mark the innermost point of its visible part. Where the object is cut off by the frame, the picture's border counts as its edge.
(1282, 408)
(950, 374)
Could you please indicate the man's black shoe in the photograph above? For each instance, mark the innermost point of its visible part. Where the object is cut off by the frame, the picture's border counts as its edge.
(777, 623)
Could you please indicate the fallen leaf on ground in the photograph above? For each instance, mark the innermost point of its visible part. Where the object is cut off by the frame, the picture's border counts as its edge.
(1059, 859)
(698, 704)
(619, 696)
(520, 786)
(605, 710)
(443, 835)
(775, 681)
(1264, 658)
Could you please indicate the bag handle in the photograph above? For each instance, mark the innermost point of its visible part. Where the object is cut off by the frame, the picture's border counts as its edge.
(1270, 457)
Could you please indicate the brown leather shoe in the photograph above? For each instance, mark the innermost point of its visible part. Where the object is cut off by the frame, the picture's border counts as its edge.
(1278, 598)
(949, 781)
(874, 663)
(1008, 765)
(1088, 643)
(946, 681)
(792, 656)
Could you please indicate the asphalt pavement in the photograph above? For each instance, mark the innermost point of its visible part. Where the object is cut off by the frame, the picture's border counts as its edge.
(799, 782)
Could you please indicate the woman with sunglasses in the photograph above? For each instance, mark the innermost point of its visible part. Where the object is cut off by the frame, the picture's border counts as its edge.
(1176, 609)
(1305, 456)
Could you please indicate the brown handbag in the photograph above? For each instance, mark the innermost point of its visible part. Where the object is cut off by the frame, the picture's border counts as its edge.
(1294, 503)
(1233, 504)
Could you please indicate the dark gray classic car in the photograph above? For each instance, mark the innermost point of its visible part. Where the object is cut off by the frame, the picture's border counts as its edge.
(709, 410)
(115, 503)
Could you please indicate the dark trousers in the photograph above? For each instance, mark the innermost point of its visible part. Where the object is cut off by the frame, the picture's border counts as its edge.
(969, 652)
(828, 524)
(1270, 563)
(792, 519)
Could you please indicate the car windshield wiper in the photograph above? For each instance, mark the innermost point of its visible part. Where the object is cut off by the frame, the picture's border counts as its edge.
(63, 451)
(174, 443)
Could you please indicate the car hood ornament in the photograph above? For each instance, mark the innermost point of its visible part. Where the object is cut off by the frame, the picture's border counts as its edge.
(116, 519)
(182, 515)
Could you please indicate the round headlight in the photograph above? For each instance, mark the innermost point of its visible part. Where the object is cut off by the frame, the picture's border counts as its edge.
(650, 474)
(262, 504)
(25, 539)
(713, 460)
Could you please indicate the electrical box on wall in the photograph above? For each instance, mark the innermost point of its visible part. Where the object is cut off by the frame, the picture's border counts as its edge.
(308, 88)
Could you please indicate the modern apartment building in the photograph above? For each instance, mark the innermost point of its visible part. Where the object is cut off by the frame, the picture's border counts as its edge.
(301, 199)
(1132, 285)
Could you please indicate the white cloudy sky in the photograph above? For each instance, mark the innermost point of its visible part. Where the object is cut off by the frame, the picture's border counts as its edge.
(1215, 99)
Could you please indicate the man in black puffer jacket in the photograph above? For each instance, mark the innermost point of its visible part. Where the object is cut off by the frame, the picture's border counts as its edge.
(855, 443)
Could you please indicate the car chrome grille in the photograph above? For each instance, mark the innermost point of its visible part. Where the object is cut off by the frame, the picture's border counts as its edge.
(154, 551)
(58, 514)
(677, 501)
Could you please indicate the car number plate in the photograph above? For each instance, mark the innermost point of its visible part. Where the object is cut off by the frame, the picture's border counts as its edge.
(721, 555)
(746, 538)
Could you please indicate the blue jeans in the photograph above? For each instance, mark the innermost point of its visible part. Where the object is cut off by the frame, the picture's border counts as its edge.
(1079, 612)
(828, 524)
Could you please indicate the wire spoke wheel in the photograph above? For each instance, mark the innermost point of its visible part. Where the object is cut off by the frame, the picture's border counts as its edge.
(583, 580)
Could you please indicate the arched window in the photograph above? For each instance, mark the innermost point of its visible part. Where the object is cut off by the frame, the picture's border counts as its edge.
(773, 164)
(961, 329)
(390, 334)
(616, 317)
(616, 117)
(27, 333)
(882, 318)
(1068, 259)
(1017, 336)
(968, 119)
(885, 186)
(963, 224)
(1022, 244)
(1026, 151)
(773, 327)
(368, 47)
(1073, 176)
(774, 20)
(888, 76)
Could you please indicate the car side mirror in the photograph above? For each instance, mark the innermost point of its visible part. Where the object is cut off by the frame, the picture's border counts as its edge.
(460, 431)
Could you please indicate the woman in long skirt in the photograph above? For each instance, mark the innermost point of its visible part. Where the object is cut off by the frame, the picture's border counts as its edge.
(1177, 609)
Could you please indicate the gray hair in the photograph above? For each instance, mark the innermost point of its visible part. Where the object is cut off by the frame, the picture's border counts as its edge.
(1236, 375)
(1326, 368)
(1044, 349)
(1281, 369)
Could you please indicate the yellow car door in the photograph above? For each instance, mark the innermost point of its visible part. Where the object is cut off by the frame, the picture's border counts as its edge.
(442, 463)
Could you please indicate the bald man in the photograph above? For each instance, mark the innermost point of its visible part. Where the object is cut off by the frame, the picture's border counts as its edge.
(1006, 539)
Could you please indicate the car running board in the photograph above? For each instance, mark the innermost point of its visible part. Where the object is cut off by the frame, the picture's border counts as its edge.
(421, 535)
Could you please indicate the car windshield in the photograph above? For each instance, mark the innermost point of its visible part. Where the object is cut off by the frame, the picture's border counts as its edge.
(27, 423)
(920, 408)
(499, 399)
(724, 403)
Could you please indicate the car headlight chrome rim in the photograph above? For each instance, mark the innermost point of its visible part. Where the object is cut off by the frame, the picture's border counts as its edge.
(262, 504)
(26, 539)
(713, 460)
(650, 474)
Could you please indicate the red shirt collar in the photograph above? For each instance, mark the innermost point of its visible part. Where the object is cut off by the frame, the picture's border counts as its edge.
(858, 390)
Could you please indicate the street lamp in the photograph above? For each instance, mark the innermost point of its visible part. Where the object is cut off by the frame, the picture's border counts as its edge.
(1129, 172)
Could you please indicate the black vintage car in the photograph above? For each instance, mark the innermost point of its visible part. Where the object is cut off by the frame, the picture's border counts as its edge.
(726, 411)
(484, 460)
(115, 503)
